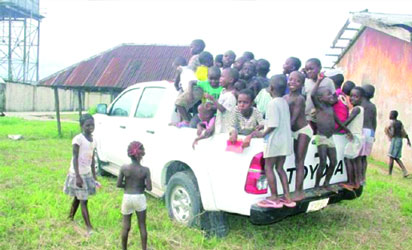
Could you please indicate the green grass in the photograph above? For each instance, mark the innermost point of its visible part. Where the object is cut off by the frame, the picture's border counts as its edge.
(33, 208)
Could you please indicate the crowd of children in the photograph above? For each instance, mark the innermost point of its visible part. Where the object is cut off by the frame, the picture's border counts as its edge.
(248, 103)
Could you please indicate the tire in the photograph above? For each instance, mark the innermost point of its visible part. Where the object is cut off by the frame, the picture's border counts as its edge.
(98, 165)
(183, 201)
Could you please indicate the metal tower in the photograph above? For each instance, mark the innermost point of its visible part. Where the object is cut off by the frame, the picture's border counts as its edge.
(19, 40)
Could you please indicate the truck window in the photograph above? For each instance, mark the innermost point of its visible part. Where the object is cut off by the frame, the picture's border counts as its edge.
(149, 102)
(123, 105)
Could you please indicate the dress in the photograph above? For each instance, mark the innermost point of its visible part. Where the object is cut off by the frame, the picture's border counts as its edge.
(279, 142)
(353, 148)
(243, 125)
(228, 100)
(86, 149)
(307, 91)
(341, 109)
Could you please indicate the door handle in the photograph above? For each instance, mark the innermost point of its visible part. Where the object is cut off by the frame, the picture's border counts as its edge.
(150, 131)
(122, 126)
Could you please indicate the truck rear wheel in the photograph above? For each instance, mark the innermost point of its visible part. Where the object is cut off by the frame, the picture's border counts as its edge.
(183, 199)
(98, 165)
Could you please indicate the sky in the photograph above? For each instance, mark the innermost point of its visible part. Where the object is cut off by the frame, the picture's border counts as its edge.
(75, 30)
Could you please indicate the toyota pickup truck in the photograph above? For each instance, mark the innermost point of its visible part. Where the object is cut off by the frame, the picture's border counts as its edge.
(200, 185)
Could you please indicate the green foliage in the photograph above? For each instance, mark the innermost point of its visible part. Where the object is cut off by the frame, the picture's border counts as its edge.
(34, 210)
(92, 110)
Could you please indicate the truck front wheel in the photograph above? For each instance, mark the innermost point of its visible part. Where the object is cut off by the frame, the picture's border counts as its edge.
(183, 199)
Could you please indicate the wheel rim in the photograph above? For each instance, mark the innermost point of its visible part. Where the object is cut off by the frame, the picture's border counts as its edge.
(181, 204)
(96, 161)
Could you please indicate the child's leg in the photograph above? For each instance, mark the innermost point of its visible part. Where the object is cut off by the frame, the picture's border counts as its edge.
(85, 213)
(183, 113)
(332, 164)
(270, 176)
(364, 166)
(75, 206)
(349, 171)
(127, 218)
(280, 161)
(357, 162)
(141, 217)
(301, 148)
(390, 165)
(322, 151)
(400, 163)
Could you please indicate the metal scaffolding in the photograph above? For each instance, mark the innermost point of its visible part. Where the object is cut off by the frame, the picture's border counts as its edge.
(19, 41)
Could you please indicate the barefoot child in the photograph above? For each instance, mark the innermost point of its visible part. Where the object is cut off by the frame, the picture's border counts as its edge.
(396, 133)
(278, 143)
(323, 100)
(206, 125)
(81, 180)
(134, 178)
(301, 131)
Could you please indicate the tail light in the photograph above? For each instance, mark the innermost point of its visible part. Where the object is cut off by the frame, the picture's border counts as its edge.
(256, 182)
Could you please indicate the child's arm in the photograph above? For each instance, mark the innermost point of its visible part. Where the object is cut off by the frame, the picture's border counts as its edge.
(218, 106)
(297, 109)
(405, 135)
(79, 181)
(342, 126)
(374, 122)
(315, 89)
(190, 89)
(120, 183)
(259, 134)
(206, 134)
(93, 168)
(148, 180)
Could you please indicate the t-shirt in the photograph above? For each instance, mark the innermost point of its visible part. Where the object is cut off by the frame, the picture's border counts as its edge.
(307, 91)
(207, 88)
(194, 62)
(243, 125)
(186, 76)
(228, 100)
(201, 73)
(262, 100)
(86, 149)
(341, 109)
(280, 141)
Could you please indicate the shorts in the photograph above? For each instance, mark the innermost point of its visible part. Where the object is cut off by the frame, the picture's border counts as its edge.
(323, 140)
(353, 148)
(395, 149)
(184, 98)
(88, 188)
(307, 130)
(368, 140)
(133, 202)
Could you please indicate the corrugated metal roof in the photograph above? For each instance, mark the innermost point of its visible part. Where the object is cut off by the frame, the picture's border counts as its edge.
(120, 67)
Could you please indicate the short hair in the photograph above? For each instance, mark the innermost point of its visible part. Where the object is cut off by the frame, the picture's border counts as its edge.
(337, 79)
(234, 73)
(316, 61)
(214, 69)
(134, 149)
(208, 108)
(300, 74)
(369, 90)
(200, 43)
(205, 58)
(247, 92)
(180, 61)
(296, 62)
(361, 90)
(84, 118)
(231, 53)
(241, 84)
(249, 55)
(347, 87)
(262, 66)
(394, 114)
(278, 83)
(219, 58)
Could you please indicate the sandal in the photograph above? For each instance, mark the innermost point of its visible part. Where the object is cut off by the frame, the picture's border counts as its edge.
(266, 203)
(287, 203)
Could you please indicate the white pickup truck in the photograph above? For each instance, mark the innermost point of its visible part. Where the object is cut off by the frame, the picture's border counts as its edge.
(199, 184)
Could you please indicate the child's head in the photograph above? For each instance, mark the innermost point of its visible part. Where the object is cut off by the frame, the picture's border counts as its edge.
(369, 91)
(229, 77)
(393, 115)
(206, 59)
(213, 76)
(356, 96)
(179, 61)
(248, 71)
(312, 68)
(245, 101)
(326, 96)
(135, 150)
(296, 81)
(240, 84)
(228, 59)
(206, 111)
(291, 64)
(277, 85)
(87, 123)
(347, 87)
(248, 55)
(262, 67)
(238, 64)
(197, 46)
(218, 60)
(336, 76)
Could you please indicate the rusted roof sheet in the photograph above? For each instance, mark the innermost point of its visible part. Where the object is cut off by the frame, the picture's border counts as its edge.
(120, 67)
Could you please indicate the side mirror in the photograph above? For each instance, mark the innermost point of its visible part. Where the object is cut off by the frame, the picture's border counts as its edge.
(101, 108)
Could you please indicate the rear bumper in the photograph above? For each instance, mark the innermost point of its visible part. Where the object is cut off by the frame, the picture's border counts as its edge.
(262, 216)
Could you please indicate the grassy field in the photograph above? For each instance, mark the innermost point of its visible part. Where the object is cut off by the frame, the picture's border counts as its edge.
(33, 208)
